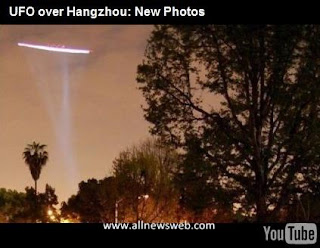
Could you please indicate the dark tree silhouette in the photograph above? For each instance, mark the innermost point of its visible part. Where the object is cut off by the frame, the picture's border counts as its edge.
(94, 202)
(148, 169)
(12, 203)
(249, 95)
(198, 192)
(141, 188)
(36, 208)
(35, 157)
(28, 207)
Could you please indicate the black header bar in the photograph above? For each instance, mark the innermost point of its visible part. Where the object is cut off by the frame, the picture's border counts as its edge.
(151, 12)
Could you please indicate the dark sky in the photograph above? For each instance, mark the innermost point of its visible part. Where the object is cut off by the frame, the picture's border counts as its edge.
(86, 108)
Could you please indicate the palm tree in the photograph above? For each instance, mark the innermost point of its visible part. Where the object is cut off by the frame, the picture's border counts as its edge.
(35, 157)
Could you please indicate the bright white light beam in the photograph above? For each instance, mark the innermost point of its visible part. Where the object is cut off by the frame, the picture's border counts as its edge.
(54, 49)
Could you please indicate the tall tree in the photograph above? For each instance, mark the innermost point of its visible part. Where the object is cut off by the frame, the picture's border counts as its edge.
(249, 94)
(144, 176)
(35, 156)
(199, 193)
(94, 202)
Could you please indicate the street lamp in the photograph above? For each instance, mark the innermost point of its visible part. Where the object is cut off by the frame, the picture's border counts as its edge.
(50, 212)
(51, 215)
(116, 210)
(144, 197)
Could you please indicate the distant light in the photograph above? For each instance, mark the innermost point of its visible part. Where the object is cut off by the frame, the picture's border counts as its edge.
(54, 49)
(50, 213)
(143, 196)
(65, 221)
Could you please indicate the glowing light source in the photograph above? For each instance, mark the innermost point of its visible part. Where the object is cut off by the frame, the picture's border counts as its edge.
(50, 212)
(143, 197)
(65, 221)
(54, 49)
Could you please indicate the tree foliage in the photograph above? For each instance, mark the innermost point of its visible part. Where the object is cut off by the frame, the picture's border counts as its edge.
(28, 207)
(148, 170)
(12, 203)
(199, 193)
(94, 201)
(37, 206)
(141, 188)
(35, 156)
(249, 95)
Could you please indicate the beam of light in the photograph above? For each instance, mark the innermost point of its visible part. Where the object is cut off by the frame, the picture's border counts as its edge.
(56, 95)
(54, 49)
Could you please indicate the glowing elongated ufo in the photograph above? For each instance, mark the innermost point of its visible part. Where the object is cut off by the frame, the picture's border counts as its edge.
(59, 49)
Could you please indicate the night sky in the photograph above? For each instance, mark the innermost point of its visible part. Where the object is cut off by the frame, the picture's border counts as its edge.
(86, 108)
